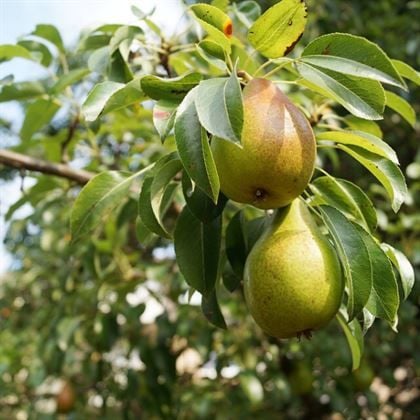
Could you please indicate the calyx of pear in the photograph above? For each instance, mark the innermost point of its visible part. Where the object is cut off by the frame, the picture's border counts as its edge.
(276, 157)
(293, 282)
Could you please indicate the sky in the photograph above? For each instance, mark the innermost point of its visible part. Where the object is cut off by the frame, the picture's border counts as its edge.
(19, 17)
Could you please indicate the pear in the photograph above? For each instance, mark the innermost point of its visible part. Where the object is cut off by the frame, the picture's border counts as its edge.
(276, 157)
(292, 280)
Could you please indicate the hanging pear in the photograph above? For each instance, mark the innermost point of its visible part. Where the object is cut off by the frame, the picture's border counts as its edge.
(276, 157)
(293, 282)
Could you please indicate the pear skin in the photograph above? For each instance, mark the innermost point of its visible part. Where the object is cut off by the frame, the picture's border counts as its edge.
(293, 282)
(276, 157)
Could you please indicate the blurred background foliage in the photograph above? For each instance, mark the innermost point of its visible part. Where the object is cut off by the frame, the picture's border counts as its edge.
(111, 316)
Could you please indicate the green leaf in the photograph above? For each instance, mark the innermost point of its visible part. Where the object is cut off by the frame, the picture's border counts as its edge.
(38, 114)
(401, 106)
(404, 267)
(383, 300)
(223, 95)
(194, 148)
(364, 140)
(354, 336)
(200, 205)
(98, 61)
(407, 71)
(38, 50)
(363, 98)
(197, 249)
(211, 310)
(164, 113)
(124, 35)
(215, 22)
(208, 50)
(118, 70)
(236, 244)
(20, 91)
(98, 197)
(385, 171)
(357, 49)
(346, 197)
(70, 78)
(247, 12)
(354, 258)
(173, 89)
(98, 98)
(359, 124)
(350, 67)
(110, 96)
(9, 51)
(153, 192)
(51, 34)
(277, 31)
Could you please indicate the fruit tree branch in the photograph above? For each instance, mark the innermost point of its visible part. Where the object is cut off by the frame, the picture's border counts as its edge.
(20, 161)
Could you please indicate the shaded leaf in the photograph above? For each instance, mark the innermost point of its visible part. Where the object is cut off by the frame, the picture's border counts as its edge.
(354, 335)
(385, 171)
(354, 258)
(211, 310)
(383, 300)
(403, 266)
(247, 11)
(194, 148)
(197, 249)
(39, 51)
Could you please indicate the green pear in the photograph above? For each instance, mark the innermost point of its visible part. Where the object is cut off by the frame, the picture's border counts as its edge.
(292, 281)
(276, 157)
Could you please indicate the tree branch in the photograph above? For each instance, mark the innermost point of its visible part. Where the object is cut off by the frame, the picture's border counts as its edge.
(20, 161)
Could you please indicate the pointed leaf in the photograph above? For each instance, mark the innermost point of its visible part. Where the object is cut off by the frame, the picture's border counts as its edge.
(404, 267)
(9, 51)
(357, 49)
(346, 197)
(213, 16)
(385, 171)
(354, 335)
(194, 149)
(51, 34)
(200, 205)
(401, 106)
(21, 91)
(98, 197)
(364, 140)
(211, 310)
(363, 98)
(276, 32)
(383, 300)
(223, 95)
(164, 113)
(39, 51)
(350, 67)
(110, 96)
(354, 258)
(173, 89)
(70, 78)
(38, 114)
(197, 249)
(360, 124)
(407, 71)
